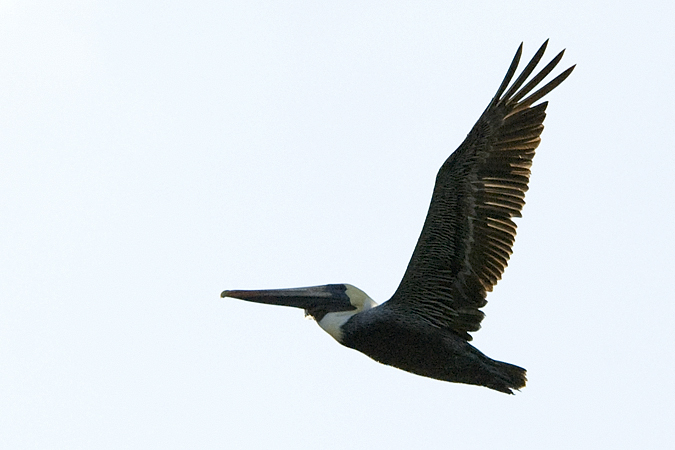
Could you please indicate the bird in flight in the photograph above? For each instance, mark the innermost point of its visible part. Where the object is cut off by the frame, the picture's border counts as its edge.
(462, 251)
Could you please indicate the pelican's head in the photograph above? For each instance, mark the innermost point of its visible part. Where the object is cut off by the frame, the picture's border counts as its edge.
(330, 305)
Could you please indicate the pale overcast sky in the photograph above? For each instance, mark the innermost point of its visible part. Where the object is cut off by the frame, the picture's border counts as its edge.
(156, 153)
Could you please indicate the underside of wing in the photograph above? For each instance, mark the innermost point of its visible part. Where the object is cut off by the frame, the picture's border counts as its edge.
(468, 234)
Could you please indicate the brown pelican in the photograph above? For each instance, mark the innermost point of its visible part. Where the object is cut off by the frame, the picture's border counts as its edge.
(462, 251)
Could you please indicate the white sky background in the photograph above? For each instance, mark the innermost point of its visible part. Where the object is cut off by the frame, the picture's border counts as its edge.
(156, 153)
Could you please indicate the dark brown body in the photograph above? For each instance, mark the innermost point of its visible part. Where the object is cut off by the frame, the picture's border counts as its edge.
(426, 350)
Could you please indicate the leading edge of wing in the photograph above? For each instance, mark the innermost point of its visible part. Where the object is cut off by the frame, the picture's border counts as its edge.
(468, 234)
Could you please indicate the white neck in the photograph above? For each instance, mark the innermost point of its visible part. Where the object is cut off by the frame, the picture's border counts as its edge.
(332, 322)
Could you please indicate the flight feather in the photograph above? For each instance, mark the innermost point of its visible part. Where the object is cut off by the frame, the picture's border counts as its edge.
(468, 234)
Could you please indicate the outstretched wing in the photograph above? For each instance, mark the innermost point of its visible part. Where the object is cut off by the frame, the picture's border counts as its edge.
(468, 233)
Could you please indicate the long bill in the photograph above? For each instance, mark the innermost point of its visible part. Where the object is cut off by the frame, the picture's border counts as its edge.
(314, 299)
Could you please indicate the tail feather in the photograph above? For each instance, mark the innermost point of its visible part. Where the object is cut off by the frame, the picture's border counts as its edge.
(506, 377)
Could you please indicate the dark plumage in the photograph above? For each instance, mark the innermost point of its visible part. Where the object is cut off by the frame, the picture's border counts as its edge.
(468, 233)
(462, 251)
